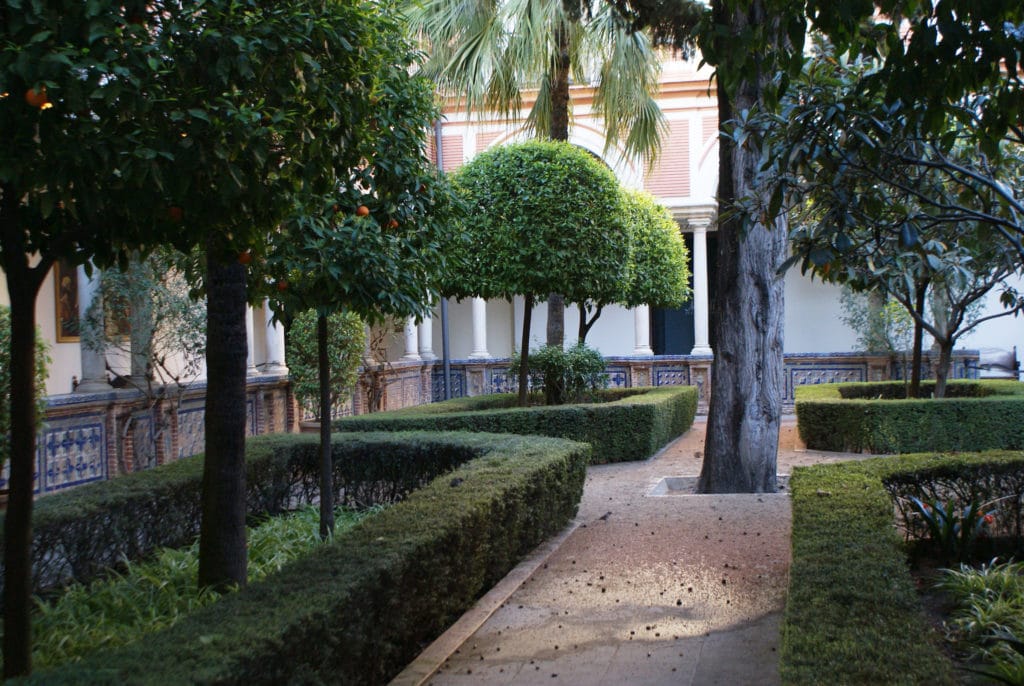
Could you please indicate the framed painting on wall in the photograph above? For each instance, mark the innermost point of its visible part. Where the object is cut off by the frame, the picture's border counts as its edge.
(65, 289)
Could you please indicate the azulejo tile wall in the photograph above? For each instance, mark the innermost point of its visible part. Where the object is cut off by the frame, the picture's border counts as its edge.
(84, 438)
(91, 437)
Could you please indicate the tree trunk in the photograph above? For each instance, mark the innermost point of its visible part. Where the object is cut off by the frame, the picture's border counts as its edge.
(556, 320)
(743, 419)
(942, 369)
(524, 360)
(222, 551)
(559, 131)
(22, 285)
(920, 291)
(586, 324)
(326, 465)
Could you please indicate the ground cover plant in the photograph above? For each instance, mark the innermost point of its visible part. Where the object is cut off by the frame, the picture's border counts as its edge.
(158, 592)
(986, 623)
(875, 417)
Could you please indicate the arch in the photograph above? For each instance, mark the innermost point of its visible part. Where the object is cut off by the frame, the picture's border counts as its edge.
(589, 138)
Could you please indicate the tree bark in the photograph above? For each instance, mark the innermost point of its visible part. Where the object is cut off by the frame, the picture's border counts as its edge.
(942, 369)
(524, 359)
(222, 549)
(559, 131)
(23, 285)
(920, 292)
(586, 324)
(743, 419)
(326, 463)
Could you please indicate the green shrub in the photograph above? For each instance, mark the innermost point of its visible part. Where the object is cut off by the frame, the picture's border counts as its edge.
(852, 614)
(977, 415)
(632, 427)
(80, 533)
(345, 345)
(987, 620)
(357, 610)
(561, 375)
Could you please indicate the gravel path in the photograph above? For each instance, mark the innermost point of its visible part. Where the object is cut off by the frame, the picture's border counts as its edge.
(641, 589)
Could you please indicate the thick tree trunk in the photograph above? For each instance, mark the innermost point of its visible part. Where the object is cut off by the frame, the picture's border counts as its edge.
(222, 551)
(22, 285)
(916, 358)
(524, 362)
(326, 464)
(746, 381)
(559, 131)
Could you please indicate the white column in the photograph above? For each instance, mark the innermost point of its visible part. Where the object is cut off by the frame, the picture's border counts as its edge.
(411, 340)
(250, 343)
(701, 341)
(427, 339)
(642, 330)
(479, 329)
(94, 363)
(274, 335)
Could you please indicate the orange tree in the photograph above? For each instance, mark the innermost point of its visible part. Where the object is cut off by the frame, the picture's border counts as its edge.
(80, 175)
(374, 243)
(187, 122)
(657, 272)
(544, 217)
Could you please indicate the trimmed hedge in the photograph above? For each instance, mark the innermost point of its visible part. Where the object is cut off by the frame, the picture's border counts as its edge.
(634, 425)
(82, 532)
(855, 417)
(360, 608)
(852, 614)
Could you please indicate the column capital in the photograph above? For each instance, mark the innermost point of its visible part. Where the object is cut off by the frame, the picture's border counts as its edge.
(697, 218)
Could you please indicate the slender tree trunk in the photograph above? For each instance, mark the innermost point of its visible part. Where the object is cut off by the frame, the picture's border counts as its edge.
(743, 419)
(23, 286)
(586, 324)
(942, 369)
(326, 464)
(559, 131)
(222, 551)
(524, 362)
(921, 290)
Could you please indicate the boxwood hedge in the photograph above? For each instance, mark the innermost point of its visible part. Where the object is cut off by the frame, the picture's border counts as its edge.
(82, 532)
(852, 614)
(632, 425)
(975, 415)
(358, 609)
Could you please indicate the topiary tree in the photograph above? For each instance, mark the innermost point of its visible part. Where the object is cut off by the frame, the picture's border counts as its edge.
(345, 344)
(543, 217)
(659, 271)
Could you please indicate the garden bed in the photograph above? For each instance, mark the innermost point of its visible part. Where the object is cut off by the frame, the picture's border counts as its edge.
(358, 609)
(853, 615)
(632, 425)
(78, 534)
(873, 417)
